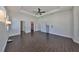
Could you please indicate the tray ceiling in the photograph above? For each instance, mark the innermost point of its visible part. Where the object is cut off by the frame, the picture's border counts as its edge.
(30, 9)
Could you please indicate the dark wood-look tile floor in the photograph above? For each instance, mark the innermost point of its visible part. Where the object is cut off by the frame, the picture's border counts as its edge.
(40, 43)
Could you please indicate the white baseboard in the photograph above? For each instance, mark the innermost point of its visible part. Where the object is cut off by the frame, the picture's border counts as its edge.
(3, 49)
(27, 31)
(14, 34)
(62, 35)
(59, 34)
(76, 40)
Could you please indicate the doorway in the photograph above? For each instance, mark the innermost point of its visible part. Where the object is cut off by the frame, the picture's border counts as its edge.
(21, 27)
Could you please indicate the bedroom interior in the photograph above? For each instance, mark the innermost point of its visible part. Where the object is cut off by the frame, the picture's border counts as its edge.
(39, 29)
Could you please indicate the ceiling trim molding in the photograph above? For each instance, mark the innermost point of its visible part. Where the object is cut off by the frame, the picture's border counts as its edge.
(47, 13)
(23, 11)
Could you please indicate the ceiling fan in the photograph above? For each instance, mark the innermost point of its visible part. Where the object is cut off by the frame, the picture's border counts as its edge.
(39, 12)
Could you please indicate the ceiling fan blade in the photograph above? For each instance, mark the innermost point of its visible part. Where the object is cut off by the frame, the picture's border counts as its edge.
(43, 12)
(39, 10)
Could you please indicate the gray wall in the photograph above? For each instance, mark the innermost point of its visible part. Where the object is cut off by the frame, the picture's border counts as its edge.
(62, 23)
(76, 24)
(3, 36)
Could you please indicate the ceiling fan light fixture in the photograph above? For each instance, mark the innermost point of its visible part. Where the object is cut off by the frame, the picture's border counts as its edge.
(38, 11)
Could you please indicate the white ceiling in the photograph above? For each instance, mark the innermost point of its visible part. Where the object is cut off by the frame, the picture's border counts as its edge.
(44, 8)
(30, 9)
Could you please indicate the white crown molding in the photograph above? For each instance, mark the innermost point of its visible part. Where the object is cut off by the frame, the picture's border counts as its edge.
(23, 11)
(47, 13)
